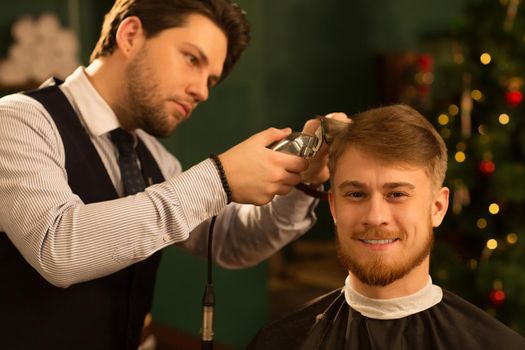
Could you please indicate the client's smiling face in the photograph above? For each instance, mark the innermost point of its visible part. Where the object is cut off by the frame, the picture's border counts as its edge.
(384, 214)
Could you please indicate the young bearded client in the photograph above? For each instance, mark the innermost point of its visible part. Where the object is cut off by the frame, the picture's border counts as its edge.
(387, 170)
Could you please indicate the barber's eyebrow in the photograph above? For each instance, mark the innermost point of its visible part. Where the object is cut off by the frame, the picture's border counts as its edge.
(388, 185)
(213, 79)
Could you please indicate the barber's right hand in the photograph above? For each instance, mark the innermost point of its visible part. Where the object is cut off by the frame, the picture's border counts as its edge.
(256, 174)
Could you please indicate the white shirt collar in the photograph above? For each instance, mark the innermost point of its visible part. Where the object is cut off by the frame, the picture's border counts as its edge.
(389, 309)
(93, 110)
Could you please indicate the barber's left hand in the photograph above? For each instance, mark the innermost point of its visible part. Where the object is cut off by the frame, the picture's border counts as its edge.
(317, 172)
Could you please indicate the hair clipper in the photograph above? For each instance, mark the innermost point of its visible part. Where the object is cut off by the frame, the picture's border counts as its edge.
(300, 144)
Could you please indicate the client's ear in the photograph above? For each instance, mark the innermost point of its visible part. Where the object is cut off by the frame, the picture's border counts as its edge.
(439, 206)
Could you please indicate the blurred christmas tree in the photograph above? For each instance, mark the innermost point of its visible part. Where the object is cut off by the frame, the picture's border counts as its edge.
(476, 103)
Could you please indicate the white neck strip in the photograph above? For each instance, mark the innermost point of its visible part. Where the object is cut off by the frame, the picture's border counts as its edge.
(390, 309)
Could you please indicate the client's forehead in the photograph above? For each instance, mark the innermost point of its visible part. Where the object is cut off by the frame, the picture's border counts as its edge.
(358, 166)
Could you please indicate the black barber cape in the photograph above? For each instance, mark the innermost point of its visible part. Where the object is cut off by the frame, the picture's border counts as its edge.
(444, 321)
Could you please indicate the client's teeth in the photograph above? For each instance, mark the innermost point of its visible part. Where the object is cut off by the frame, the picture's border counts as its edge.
(378, 241)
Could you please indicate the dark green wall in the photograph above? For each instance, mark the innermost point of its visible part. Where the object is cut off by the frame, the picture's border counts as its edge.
(306, 58)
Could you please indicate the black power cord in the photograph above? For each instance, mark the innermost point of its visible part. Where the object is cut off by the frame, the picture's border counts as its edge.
(208, 299)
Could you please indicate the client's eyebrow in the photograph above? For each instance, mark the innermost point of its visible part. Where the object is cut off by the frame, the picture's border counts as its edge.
(388, 185)
(351, 183)
(393, 185)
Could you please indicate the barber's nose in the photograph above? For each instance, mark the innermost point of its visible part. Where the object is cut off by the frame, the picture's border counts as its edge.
(377, 212)
(198, 89)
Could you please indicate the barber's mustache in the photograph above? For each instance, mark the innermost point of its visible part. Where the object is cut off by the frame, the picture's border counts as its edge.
(377, 233)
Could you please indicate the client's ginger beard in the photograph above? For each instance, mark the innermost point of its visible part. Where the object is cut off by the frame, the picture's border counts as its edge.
(379, 272)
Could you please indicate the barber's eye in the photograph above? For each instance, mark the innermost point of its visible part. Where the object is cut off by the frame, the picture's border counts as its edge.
(193, 60)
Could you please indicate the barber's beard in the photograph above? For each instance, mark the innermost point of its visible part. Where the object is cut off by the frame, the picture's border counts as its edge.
(381, 271)
(144, 106)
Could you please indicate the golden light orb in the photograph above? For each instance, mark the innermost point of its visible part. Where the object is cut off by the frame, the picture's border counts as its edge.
(443, 119)
(485, 58)
(481, 223)
(512, 238)
(493, 208)
(504, 119)
(482, 129)
(492, 244)
(453, 110)
(460, 157)
(476, 95)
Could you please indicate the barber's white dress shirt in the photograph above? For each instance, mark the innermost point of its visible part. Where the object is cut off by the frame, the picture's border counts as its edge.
(68, 241)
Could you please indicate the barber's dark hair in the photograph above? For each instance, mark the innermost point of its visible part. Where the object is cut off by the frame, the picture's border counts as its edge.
(158, 15)
(394, 134)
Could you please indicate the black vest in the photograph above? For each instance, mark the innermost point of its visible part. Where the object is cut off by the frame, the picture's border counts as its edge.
(105, 313)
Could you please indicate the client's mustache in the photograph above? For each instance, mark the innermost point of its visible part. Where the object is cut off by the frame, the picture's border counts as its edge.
(374, 233)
